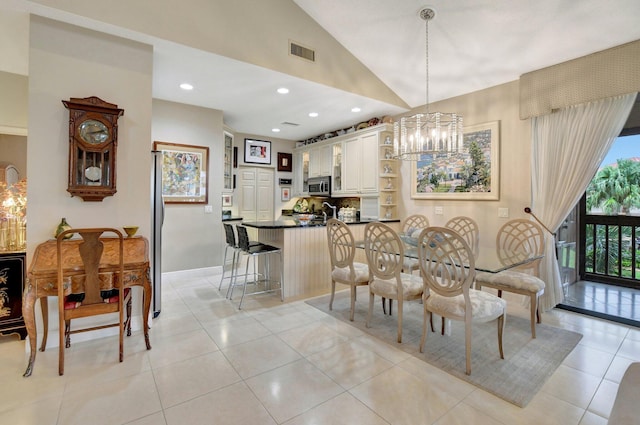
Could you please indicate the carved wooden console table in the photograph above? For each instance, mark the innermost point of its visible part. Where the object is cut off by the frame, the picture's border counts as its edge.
(42, 281)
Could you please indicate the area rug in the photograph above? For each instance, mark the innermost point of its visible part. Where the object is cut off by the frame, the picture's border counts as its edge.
(528, 362)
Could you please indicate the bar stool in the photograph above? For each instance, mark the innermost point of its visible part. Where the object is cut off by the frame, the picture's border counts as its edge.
(231, 244)
(254, 250)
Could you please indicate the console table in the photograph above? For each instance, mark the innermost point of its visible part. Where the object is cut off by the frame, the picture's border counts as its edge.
(42, 280)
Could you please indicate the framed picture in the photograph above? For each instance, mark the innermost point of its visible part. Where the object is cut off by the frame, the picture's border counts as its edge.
(286, 193)
(184, 172)
(285, 161)
(227, 200)
(257, 151)
(471, 174)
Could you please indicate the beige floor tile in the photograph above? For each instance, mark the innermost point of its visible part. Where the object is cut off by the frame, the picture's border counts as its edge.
(232, 405)
(113, 402)
(381, 348)
(344, 409)
(293, 389)
(40, 412)
(592, 419)
(463, 414)
(572, 386)
(630, 349)
(604, 398)
(543, 409)
(226, 333)
(166, 325)
(180, 347)
(311, 338)
(341, 327)
(182, 381)
(401, 398)
(589, 360)
(153, 419)
(349, 363)
(287, 321)
(617, 368)
(260, 355)
(600, 339)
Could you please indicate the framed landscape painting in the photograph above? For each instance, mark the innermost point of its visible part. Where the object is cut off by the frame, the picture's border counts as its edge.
(184, 172)
(472, 173)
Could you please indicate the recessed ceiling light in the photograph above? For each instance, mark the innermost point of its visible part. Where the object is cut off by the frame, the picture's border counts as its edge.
(283, 90)
(186, 86)
(275, 130)
(313, 114)
(356, 109)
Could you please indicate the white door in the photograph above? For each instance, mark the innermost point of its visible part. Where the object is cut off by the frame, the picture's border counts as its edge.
(256, 193)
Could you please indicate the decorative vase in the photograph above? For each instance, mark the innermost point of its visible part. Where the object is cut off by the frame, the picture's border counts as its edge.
(62, 227)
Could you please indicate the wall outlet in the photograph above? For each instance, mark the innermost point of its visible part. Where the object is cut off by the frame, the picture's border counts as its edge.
(439, 210)
(503, 212)
(208, 209)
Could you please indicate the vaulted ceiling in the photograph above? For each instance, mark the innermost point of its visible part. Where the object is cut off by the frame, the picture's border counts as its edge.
(473, 44)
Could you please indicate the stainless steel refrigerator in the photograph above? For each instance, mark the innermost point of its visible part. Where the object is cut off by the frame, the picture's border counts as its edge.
(157, 202)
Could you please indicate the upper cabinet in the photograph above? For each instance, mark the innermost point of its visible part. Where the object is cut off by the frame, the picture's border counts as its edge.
(228, 162)
(320, 161)
(354, 162)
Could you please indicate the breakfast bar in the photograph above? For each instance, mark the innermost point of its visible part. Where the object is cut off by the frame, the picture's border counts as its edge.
(307, 266)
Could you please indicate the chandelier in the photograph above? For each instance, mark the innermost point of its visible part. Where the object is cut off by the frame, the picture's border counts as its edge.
(428, 133)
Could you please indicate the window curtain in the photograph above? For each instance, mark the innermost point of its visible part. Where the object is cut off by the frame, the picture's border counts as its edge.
(567, 148)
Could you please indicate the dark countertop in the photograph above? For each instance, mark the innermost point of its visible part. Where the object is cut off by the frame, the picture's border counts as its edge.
(232, 219)
(291, 223)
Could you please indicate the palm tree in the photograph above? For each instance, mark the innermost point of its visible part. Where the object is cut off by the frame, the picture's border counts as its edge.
(615, 188)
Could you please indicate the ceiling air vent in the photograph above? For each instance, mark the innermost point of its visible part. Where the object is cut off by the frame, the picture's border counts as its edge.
(296, 49)
(292, 124)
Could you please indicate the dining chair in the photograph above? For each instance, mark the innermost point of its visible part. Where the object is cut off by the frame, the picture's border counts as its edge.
(385, 252)
(254, 250)
(468, 229)
(447, 266)
(95, 289)
(409, 230)
(517, 239)
(342, 250)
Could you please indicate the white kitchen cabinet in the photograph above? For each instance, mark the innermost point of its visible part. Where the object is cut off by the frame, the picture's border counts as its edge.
(361, 169)
(337, 168)
(301, 173)
(320, 161)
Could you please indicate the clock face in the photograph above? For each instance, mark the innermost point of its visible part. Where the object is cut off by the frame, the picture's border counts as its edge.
(93, 132)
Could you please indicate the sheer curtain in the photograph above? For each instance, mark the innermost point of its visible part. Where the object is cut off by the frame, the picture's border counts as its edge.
(568, 147)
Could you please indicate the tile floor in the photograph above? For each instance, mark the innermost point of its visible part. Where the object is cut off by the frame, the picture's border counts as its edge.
(275, 363)
(611, 302)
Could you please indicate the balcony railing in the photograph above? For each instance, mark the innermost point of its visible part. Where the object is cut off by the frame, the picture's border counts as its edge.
(611, 247)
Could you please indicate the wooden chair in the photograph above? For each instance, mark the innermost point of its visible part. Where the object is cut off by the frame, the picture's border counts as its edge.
(385, 252)
(342, 250)
(96, 289)
(447, 266)
(409, 229)
(468, 229)
(518, 238)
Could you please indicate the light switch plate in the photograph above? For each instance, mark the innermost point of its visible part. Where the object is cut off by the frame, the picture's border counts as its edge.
(503, 212)
(208, 209)
(439, 210)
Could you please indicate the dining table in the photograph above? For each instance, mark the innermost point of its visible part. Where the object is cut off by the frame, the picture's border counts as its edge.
(489, 259)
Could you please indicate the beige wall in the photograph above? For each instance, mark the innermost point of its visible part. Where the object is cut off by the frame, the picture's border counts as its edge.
(13, 149)
(500, 103)
(13, 102)
(191, 238)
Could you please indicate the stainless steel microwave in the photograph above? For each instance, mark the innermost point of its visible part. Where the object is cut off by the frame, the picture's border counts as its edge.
(320, 186)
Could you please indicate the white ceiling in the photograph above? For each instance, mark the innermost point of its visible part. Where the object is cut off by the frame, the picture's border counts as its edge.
(473, 44)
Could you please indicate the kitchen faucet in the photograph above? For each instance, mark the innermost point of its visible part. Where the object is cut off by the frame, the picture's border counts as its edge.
(332, 207)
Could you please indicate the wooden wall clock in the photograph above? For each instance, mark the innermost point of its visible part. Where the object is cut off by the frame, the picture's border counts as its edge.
(93, 142)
